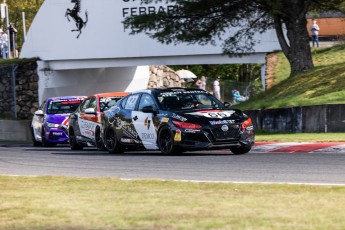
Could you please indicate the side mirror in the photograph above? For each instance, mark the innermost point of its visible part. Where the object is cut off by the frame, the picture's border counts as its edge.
(39, 113)
(149, 109)
(226, 104)
(90, 111)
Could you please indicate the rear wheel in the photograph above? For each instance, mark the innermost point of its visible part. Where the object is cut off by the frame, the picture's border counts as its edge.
(166, 142)
(98, 140)
(111, 142)
(73, 143)
(241, 150)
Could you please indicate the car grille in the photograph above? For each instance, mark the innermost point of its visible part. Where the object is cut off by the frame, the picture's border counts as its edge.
(231, 133)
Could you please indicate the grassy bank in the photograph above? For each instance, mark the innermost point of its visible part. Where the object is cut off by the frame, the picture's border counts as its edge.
(323, 85)
(71, 203)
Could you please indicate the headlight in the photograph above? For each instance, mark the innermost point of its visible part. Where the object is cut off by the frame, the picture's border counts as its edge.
(52, 125)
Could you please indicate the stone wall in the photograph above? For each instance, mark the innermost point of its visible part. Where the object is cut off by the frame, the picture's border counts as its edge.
(6, 91)
(27, 90)
(20, 81)
(163, 76)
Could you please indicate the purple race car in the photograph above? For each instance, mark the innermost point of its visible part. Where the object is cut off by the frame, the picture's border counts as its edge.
(50, 121)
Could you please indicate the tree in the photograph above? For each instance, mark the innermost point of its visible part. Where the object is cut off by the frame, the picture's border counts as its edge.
(15, 9)
(204, 21)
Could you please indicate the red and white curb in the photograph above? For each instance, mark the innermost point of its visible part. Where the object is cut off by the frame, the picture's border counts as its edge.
(299, 147)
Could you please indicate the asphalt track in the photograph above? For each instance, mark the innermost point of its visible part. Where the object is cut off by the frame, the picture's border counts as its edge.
(295, 163)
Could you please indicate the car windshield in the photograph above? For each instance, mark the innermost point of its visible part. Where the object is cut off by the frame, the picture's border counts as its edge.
(107, 102)
(60, 107)
(186, 100)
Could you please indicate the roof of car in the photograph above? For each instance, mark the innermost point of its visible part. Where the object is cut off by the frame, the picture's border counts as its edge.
(169, 89)
(111, 94)
(66, 98)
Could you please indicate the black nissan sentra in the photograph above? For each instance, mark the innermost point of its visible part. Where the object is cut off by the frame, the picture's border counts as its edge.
(174, 120)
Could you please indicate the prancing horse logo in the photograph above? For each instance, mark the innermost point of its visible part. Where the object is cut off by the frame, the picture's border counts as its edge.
(74, 14)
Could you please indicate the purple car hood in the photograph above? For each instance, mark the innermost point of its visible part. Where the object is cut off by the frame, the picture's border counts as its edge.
(58, 118)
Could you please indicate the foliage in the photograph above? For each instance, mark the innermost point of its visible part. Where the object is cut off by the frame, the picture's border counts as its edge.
(234, 72)
(205, 21)
(323, 85)
(15, 9)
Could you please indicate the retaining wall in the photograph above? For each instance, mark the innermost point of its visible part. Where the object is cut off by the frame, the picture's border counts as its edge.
(302, 119)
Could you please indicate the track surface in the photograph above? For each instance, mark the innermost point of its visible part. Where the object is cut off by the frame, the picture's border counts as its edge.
(306, 163)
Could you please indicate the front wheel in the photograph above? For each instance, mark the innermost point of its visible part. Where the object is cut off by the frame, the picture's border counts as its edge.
(111, 142)
(166, 141)
(241, 150)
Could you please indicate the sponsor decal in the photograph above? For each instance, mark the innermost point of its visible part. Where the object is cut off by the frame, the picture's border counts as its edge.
(128, 131)
(225, 128)
(89, 133)
(178, 117)
(57, 133)
(192, 130)
(87, 125)
(145, 136)
(65, 121)
(165, 119)
(147, 123)
(213, 114)
(127, 140)
(222, 122)
(178, 136)
(74, 14)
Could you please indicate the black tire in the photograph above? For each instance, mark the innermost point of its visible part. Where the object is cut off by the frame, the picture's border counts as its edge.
(241, 150)
(73, 143)
(166, 141)
(34, 142)
(98, 140)
(111, 142)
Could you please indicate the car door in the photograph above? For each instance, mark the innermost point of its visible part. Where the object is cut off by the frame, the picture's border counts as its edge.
(143, 122)
(124, 123)
(87, 119)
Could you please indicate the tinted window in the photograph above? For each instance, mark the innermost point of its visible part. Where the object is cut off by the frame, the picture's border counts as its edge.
(184, 100)
(84, 105)
(131, 102)
(107, 102)
(60, 107)
(92, 103)
(145, 100)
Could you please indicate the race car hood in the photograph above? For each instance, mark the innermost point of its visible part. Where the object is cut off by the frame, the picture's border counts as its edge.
(57, 118)
(209, 117)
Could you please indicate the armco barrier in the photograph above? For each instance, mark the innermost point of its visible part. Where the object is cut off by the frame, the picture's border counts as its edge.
(302, 119)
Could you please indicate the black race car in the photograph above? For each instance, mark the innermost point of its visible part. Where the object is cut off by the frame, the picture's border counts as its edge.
(174, 120)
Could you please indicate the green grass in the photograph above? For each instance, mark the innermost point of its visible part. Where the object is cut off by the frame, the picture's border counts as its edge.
(261, 136)
(74, 203)
(325, 84)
